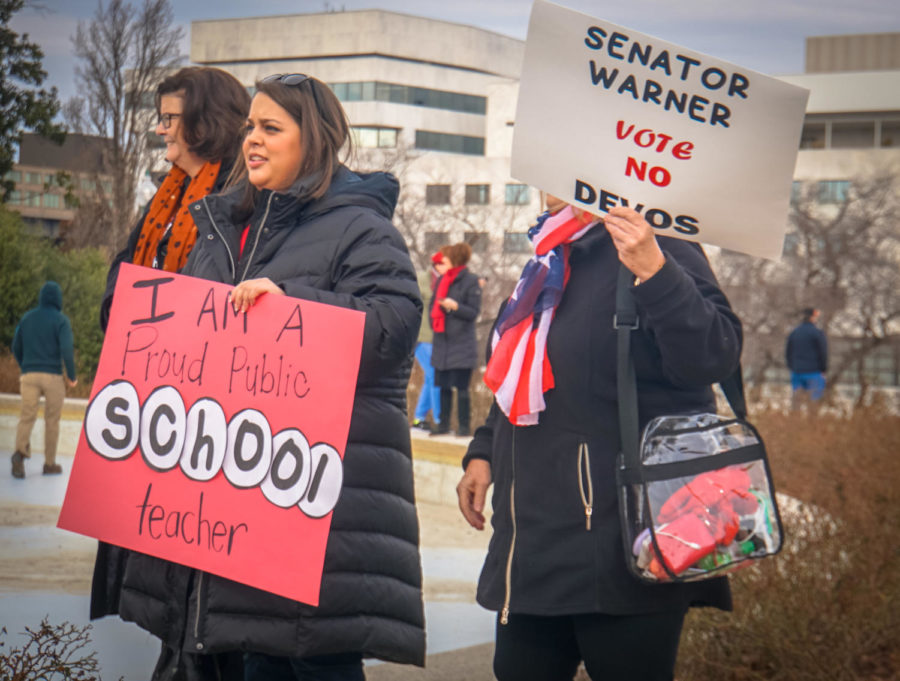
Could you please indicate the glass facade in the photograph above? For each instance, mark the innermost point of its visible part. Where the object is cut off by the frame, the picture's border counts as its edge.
(478, 194)
(374, 137)
(516, 242)
(457, 144)
(479, 241)
(518, 195)
(833, 191)
(375, 91)
(437, 194)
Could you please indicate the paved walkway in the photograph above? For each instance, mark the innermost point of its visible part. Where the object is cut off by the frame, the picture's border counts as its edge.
(45, 571)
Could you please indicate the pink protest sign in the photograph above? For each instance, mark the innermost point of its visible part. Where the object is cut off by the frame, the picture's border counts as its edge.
(215, 439)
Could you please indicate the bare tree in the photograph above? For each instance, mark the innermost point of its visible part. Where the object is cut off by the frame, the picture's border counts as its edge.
(842, 257)
(122, 53)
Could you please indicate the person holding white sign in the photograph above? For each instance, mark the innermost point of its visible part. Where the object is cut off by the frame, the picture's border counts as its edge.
(300, 223)
(555, 570)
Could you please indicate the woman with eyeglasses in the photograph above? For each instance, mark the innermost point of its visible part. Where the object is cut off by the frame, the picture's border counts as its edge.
(201, 113)
(200, 117)
(299, 223)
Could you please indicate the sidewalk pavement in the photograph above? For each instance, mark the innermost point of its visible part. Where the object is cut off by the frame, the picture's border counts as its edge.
(46, 572)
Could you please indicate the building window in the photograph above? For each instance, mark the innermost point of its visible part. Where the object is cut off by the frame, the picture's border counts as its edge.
(15, 198)
(434, 241)
(33, 199)
(516, 242)
(479, 241)
(32, 178)
(437, 194)
(833, 191)
(796, 191)
(457, 144)
(51, 200)
(857, 135)
(13, 175)
(374, 137)
(890, 133)
(478, 194)
(813, 136)
(87, 184)
(518, 195)
(376, 91)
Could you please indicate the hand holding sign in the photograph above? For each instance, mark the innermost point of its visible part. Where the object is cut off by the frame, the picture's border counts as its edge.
(635, 241)
(246, 293)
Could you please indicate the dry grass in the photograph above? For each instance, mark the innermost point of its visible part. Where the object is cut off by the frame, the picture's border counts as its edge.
(827, 606)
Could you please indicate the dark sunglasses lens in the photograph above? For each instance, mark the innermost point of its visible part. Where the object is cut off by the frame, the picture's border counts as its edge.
(286, 79)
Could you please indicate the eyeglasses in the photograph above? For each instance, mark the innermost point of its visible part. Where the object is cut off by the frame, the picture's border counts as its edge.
(165, 119)
(286, 78)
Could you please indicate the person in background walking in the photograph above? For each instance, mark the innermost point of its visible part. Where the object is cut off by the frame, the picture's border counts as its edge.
(430, 394)
(41, 344)
(806, 354)
(453, 311)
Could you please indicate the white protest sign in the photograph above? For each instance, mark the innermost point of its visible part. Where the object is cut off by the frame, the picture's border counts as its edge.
(607, 116)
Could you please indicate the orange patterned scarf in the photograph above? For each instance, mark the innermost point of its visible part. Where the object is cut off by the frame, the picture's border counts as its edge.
(169, 207)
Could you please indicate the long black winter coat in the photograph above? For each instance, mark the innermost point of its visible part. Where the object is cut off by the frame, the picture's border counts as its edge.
(340, 250)
(688, 338)
(456, 347)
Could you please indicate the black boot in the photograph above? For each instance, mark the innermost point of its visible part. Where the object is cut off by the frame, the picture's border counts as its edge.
(463, 408)
(446, 409)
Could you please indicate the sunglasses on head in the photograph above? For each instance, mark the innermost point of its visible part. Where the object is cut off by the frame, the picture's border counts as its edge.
(286, 78)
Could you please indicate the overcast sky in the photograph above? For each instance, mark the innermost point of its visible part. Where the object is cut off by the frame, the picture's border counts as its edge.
(763, 35)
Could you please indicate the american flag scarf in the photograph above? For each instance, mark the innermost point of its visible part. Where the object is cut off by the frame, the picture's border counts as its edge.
(519, 371)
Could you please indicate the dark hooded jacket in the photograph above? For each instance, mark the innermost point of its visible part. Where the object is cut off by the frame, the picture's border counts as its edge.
(43, 339)
(340, 250)
(557, 547)
(806, 350)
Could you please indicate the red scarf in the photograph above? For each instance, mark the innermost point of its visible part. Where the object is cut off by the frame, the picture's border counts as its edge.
(438, 316)
(167, 208)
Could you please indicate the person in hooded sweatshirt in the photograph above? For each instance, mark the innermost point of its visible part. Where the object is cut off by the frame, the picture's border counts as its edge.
(300, 223)
(41, 344)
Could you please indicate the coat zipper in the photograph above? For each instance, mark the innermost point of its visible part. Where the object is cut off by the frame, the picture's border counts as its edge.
(258, 234)
(222, 237)
(197, 618)
(504, 613)
(584, 473)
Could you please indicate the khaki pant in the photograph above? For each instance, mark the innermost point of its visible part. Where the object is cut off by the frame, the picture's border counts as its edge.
(32, 385)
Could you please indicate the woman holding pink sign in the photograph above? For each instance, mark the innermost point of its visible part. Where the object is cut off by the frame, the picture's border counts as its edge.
(299, 223)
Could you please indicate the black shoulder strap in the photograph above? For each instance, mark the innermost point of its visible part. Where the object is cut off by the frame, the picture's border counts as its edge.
(625, 321)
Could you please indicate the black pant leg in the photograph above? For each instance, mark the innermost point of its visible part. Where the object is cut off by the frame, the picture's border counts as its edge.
(463, 409)
(629, 647)
(532, 648)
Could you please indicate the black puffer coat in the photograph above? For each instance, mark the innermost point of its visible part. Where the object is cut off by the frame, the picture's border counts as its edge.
(456, 347)
(340, 250)
(543, 558)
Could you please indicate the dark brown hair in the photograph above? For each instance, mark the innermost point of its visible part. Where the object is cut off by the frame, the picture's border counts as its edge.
(459, 254)
(214, 112)
(324, 131)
